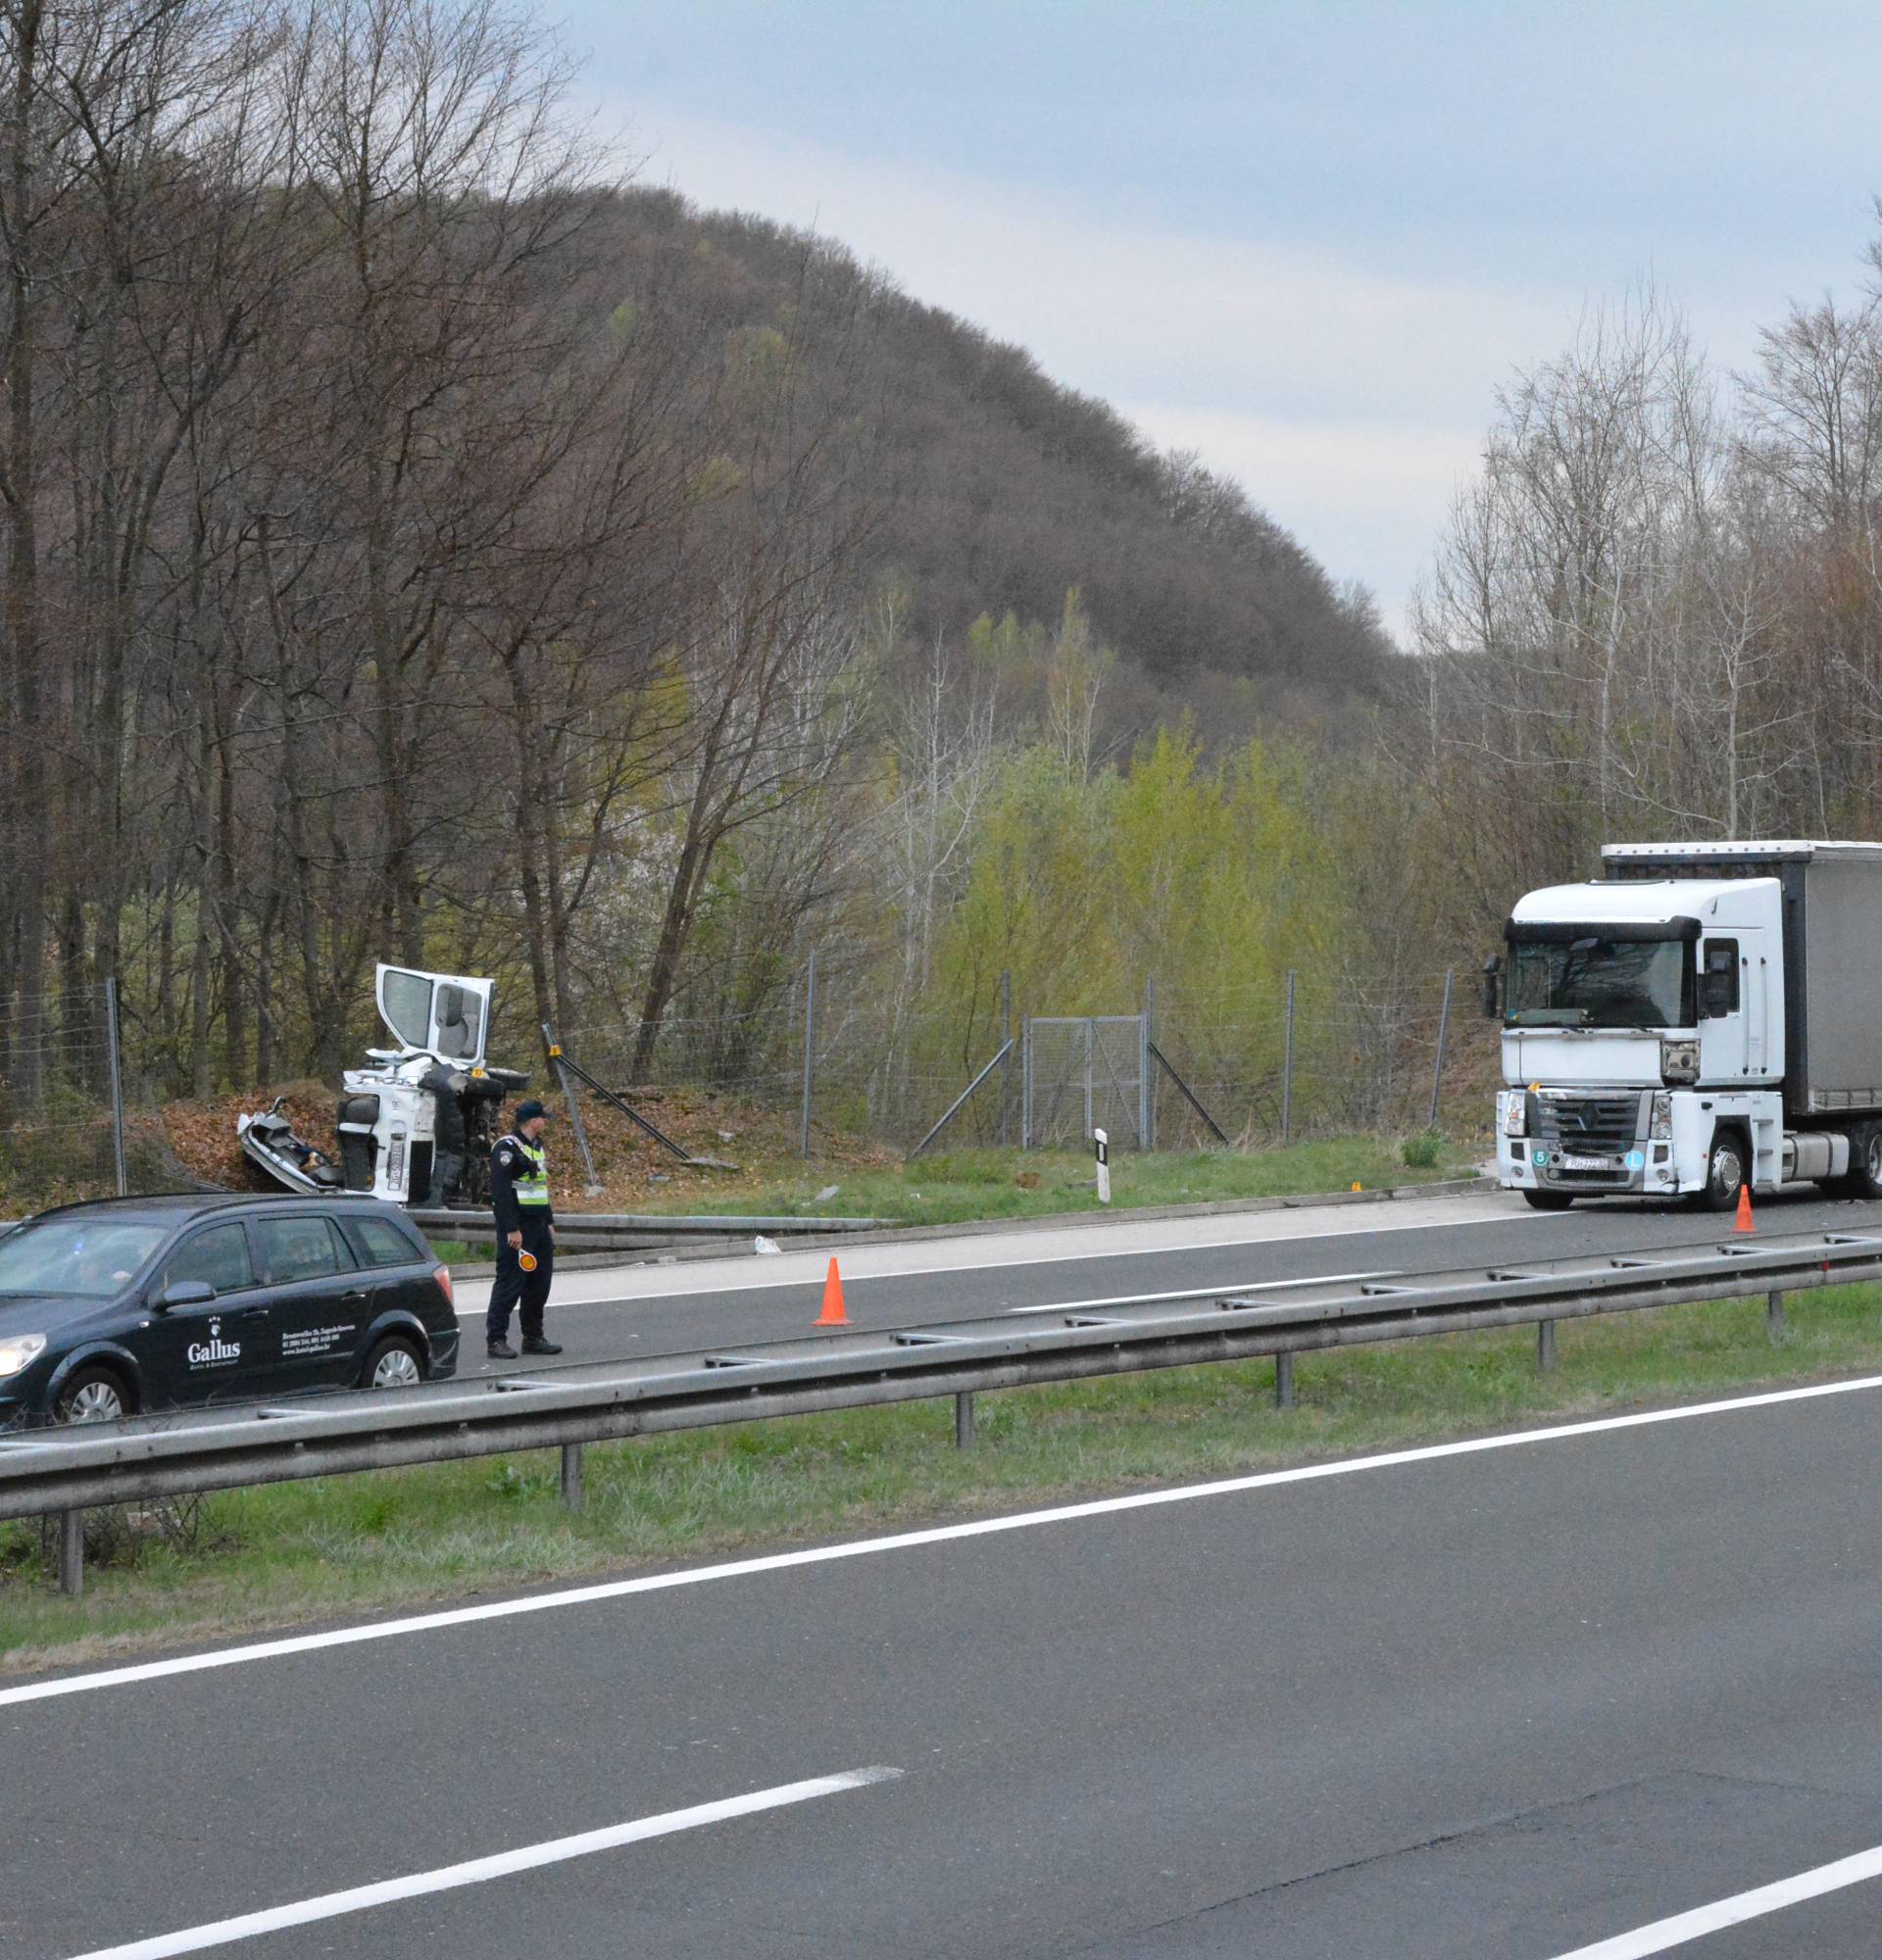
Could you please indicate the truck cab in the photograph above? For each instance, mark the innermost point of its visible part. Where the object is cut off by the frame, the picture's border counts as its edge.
(416, 1126)
(1704, 1018)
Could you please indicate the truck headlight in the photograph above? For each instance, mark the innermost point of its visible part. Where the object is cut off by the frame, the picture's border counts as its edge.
(1659, 1125)
(19, 1350)
(1516, 1114)
(1679, 1059)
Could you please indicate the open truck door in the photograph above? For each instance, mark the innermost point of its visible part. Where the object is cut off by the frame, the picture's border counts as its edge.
(443, 1014)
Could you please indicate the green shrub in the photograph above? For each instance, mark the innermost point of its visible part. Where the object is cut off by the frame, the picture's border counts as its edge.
(1425, 1152)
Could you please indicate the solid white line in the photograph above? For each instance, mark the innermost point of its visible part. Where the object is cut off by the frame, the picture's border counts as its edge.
(1685, 1927)
(828, 1554)
(476, 1871)
(1205, 1292)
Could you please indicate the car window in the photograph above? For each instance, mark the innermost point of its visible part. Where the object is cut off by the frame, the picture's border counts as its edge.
(299, 1249)
(379, 1243)
(89, 1255)
(218, 1257)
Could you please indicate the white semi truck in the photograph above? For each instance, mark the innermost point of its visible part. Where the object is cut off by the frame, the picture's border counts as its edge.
(1703, 1017)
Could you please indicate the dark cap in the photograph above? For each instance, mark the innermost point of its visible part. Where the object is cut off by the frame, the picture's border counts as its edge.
(527, 1113)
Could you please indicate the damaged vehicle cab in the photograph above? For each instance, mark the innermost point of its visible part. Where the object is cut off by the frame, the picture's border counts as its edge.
(1700, 1020)
(417, 1126)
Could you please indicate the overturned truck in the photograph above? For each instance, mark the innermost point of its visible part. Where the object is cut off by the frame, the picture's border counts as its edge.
(417, 1125)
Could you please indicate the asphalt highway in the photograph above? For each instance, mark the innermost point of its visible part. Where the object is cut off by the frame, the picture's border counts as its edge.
(625, 1312)
(1513, 1701)
(1603, 1690)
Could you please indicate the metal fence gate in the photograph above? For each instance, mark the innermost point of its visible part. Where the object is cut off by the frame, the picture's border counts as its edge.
(1085, 1072)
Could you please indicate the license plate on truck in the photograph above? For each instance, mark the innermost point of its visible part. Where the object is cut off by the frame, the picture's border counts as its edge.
(1588, 1163)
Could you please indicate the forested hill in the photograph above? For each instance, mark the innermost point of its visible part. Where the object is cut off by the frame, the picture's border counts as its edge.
(996, 490)
(418, 548)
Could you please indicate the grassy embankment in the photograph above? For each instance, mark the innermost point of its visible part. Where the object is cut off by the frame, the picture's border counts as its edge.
(951, 1188)
(962, 1187)
(339, 1546)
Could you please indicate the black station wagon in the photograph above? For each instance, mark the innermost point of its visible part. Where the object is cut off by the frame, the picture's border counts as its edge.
(137, 1303)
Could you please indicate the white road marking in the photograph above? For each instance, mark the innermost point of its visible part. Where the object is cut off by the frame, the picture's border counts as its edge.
(829, 1555)
(1207, 1293)
(478, 1871)
(1685, 1927)
(645, 1284)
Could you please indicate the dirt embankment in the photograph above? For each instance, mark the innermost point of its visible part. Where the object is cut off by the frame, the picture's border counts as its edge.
(632, 1170)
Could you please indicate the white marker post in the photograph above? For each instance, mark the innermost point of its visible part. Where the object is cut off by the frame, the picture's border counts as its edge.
(1102, 1144)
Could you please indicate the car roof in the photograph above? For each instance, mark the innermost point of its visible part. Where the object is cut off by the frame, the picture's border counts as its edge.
(181, 1208)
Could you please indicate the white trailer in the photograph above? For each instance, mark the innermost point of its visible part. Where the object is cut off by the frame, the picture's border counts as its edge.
(1703, 1017)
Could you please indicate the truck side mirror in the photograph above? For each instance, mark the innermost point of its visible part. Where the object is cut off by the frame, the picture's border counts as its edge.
(1493, 988)
(1716, 995)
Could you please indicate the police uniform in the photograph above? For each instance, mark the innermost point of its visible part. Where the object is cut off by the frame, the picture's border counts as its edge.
(519, 1195)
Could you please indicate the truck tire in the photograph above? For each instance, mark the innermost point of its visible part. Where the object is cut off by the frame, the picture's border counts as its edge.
(1547, 1200)
(1725, 1165)
(1866, 1164)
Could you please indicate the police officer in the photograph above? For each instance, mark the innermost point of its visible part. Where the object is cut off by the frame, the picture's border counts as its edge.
(525, 1232)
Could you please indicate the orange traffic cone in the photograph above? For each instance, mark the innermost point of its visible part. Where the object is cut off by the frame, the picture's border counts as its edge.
(832, 1314)
(1744, 1220)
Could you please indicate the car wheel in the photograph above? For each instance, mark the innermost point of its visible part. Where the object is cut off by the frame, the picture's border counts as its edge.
(93, 1395)
(392, 1365)
(1724, 1173)
(1547, 1200)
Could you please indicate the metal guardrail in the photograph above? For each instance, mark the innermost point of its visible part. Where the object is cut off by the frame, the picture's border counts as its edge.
(651, 1228)
(66, 1471)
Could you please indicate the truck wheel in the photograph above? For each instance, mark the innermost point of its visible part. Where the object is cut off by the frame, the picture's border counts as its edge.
(1866, 1164)
(1547, 1200)
(1724, 1171)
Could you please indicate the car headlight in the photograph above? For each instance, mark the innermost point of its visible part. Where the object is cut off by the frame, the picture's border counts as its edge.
(19, 1350)
(1660, 1125)
(1516, 1114)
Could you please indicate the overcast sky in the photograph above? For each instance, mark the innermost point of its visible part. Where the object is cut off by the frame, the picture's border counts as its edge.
(1308, 240)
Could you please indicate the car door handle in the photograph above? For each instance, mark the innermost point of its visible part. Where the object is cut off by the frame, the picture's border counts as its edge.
(355, 1298)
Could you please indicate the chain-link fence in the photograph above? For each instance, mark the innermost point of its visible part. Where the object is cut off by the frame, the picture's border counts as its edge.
(61, 1129)
(1292, 1061)
(1084, 1073)
(833, 1057)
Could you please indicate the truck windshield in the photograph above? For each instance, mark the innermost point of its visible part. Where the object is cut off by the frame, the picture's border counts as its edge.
(1601, 983)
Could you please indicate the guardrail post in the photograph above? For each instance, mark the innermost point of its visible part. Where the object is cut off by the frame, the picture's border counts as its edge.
(1546, 1347)
(571, 1475)
(72, 1554)
(964, 1421)
(1284, 1380)
(1774, 1316)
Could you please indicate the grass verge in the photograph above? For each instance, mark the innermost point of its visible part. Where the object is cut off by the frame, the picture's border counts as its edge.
(956, 1187)
(338, 1547)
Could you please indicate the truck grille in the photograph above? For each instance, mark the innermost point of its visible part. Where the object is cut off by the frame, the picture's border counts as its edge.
(1589, 1126)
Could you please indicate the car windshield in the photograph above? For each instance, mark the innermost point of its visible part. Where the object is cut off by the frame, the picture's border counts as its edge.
(89, 1257)
(1596, 982)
